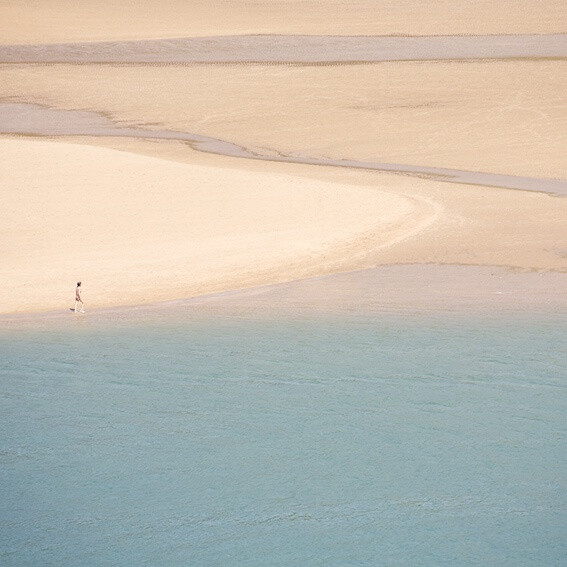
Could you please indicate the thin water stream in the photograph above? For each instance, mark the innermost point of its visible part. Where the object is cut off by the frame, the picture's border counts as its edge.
(293, 49)
(37, 120)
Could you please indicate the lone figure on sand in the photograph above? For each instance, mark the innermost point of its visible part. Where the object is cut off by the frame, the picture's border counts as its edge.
(78, 299)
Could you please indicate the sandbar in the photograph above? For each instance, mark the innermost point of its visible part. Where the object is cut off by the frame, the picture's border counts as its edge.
(159, 157)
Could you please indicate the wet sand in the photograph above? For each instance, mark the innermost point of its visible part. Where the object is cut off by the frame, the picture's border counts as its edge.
(35, 120)
(500, 117)
(406, 291)
(296, 49)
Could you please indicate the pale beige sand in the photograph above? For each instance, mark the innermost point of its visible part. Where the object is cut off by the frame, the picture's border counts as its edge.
(472, 225)
(497, 117)
(137, 229)
(57, 21)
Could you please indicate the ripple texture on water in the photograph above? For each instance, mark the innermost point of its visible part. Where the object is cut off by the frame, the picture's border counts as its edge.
(298, 441)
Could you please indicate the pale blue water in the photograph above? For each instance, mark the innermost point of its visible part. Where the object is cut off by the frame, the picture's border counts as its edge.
(299, 440)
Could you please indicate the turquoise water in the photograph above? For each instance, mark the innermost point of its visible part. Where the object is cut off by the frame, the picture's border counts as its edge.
(298, 440)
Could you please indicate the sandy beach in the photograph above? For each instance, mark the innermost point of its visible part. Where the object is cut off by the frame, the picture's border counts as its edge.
(186, 157)
(323, 255)
(208, 227)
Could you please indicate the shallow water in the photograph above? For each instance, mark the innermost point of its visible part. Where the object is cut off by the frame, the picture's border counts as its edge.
(293, 49)
(228, 438)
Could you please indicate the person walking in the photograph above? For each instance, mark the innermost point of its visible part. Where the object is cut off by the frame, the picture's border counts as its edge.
(78, 299)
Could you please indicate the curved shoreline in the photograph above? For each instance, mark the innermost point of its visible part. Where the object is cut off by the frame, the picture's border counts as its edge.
(405, 289)
(158, 229)
(292, 49)
(459, 227)
(195, 230)
(37, 120)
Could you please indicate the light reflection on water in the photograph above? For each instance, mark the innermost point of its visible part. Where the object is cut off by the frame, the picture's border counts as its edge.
(311, 439)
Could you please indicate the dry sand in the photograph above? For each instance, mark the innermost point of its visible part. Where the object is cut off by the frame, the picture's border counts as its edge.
(140, 221)
(60, 21)
(142, 229)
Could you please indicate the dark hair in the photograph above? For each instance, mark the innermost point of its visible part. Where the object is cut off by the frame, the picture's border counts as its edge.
(78, 283)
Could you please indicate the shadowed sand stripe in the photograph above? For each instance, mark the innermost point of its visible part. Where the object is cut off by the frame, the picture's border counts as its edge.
(36, 120)
(292, 49)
